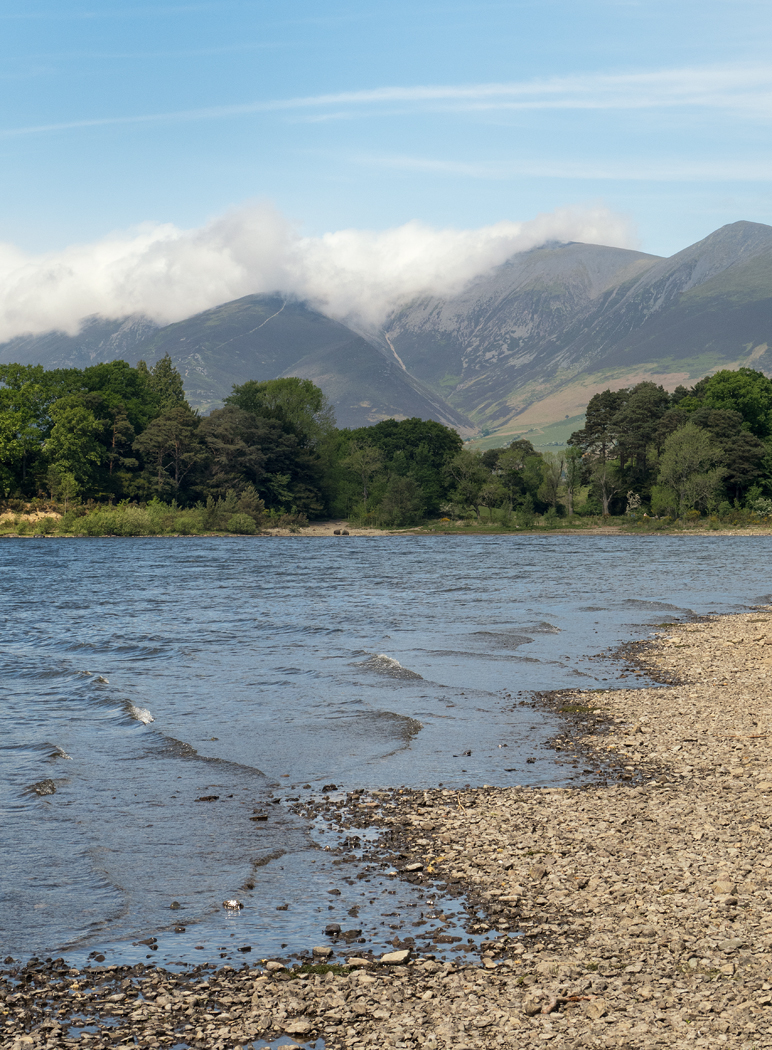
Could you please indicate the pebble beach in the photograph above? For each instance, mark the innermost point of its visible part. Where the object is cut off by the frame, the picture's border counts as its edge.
(634, 911)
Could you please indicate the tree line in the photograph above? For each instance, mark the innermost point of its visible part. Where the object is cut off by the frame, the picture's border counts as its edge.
(692, 451)
(113, 434)
(116, 434)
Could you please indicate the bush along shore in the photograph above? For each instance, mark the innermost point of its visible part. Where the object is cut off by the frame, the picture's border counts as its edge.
(244, 515)
(632, 912)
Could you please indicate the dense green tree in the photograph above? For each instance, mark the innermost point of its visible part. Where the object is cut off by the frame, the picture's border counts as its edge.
(740, 452)
(62, 485)
(552, 478)
(599, 437)
(599, 442)
(688, 475)
(745, 391)
(492, 494)
(402, 502)
(636, 422)
(172, 449)
(302, 459)
(164, 381)
(120, 439)
(298, 404)
(365, 461)
(72, 445)
(27, 393)
(518, 467)
(627, 431)
(235, 441)
(470, 474)
(434, 442)
(415, 448)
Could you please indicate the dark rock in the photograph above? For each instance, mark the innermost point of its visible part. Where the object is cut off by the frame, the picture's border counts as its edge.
(332, 929)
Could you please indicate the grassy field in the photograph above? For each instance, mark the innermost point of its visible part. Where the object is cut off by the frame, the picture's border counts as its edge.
(552, 437)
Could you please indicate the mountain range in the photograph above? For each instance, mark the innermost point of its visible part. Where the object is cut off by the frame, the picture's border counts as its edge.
(519, 351)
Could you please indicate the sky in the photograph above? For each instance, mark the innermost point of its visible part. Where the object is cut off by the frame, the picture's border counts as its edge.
(356, 128)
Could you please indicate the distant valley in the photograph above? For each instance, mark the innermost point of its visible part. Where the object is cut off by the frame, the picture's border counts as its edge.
(519, 351)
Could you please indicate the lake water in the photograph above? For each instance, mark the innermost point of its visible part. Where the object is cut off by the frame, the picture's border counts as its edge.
(139, 676)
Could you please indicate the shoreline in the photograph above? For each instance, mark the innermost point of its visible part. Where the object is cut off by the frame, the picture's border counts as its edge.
(633, 913)
(320, 532)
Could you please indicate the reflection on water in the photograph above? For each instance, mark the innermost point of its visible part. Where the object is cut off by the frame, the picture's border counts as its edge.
(140, 676)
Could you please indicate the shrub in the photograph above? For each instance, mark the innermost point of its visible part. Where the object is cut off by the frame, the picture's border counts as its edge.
(119, 521)
(724, 510)
(187, 525)
(294, 521)
(525, 514)
(46, 526)
(242, 524)
(762, 506)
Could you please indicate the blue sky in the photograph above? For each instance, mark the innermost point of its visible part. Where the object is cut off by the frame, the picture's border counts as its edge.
(369, 115)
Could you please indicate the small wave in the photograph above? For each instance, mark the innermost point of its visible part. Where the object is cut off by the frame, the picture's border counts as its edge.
(393, 723)
(42, 787)
(141, 714)
(59, 752)
(542, 627)
(641, 603)
(504, 639)
(383, 664)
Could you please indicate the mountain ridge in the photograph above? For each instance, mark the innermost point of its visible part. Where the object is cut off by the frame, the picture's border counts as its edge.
(521, 347)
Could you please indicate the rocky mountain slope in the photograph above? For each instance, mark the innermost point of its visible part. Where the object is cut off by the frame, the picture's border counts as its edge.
(533, 340)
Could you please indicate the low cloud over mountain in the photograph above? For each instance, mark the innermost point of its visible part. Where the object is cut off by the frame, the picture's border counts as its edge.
(167, 274)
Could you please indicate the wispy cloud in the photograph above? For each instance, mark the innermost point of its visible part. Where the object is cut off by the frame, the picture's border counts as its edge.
(740, 169)
(742, 90)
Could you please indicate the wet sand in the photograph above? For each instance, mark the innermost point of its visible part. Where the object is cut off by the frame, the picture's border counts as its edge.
(633, 912)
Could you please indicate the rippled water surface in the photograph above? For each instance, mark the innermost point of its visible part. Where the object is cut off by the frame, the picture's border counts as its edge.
(139, 676)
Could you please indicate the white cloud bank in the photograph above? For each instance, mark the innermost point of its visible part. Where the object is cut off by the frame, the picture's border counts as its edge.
(168, 274)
